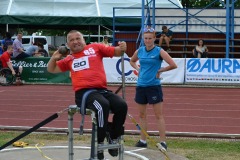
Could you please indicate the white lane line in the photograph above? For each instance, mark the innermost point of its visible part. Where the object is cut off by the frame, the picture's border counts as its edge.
(136, 155)
(130, 153)
(139, 149)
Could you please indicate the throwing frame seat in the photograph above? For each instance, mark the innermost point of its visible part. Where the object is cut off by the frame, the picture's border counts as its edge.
(95, 147)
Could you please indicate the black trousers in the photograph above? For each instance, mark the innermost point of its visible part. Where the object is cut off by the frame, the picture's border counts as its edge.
(102, 102)
(22, 55)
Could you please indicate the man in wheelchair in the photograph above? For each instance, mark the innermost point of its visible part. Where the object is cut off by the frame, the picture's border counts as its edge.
(87, 73)
(8, 67)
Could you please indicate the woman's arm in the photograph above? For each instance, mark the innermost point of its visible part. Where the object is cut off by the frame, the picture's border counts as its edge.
(133, 60)
(206, 50)
(198, 49)
(167, 58)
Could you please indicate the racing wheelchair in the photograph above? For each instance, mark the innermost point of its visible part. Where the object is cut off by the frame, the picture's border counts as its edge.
(6, 76)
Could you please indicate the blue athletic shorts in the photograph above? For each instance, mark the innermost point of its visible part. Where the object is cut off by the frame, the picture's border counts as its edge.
(151, 95)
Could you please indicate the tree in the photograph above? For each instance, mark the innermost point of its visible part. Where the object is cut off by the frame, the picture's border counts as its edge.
(204, 3)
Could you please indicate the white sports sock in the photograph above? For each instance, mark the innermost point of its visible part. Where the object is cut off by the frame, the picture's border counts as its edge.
(143, 141)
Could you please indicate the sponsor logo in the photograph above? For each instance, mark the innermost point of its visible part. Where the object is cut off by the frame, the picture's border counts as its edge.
(127, 73)
(29, 64)
(214, 65)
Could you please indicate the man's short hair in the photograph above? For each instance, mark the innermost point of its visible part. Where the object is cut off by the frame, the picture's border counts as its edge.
(74, 31)
(164, 27)
(10, 47)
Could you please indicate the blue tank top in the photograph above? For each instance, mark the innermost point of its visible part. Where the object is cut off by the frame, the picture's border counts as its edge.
(150, 63)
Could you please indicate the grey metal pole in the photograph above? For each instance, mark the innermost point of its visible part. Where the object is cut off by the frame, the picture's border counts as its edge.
(70, 133)
(227, 27)
(121, 149)
(7, 27)
(99, 33)
(123, 77)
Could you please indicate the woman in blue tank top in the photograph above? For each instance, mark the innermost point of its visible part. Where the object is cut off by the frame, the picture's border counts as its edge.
(148, 90)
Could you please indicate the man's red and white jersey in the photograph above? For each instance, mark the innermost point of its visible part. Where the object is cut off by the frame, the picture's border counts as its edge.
(86, 67)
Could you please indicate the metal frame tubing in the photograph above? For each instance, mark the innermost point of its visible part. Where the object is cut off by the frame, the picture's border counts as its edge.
(72, 110)
(95, 147)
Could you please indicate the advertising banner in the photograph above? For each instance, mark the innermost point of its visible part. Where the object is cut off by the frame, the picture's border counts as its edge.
(212, 70)
(114, 71)
(35, 71)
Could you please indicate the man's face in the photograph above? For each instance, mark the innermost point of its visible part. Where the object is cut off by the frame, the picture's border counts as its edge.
(165, 30)
(19, 36)
(75, 42)
(10, 51)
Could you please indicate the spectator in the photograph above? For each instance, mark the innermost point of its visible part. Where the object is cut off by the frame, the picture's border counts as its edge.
(200, 50)
(1, 51)
(105, 41)
(32, 50)
(166, 36)
(18, 50)
(41, 50)
(149, 90)
(7, 41)
(6, 62)
(87, 73)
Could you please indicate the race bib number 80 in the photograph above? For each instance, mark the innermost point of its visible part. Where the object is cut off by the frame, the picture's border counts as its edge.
(80, 64)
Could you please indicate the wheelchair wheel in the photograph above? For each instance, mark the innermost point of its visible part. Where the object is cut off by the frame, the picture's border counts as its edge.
(6, 77)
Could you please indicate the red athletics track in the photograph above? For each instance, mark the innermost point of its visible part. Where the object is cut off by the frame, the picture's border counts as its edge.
(198, 110)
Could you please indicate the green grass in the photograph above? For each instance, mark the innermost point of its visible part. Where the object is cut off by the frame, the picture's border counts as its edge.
(191, 148)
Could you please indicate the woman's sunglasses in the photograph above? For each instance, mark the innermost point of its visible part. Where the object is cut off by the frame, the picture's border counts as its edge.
(148, 30)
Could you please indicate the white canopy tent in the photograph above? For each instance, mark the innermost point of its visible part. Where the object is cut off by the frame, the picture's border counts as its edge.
(62, 13)
(73, 8)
